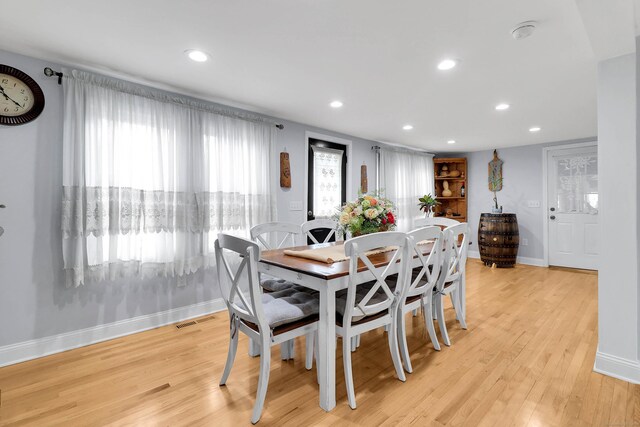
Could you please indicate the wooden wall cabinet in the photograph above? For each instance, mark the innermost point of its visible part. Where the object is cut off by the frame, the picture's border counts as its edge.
(457, 203)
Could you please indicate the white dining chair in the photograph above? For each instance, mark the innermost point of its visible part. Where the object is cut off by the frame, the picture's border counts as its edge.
(419, 292)
(367, 305)
(276, 235)
(266, 318)
(320, 224)
(440, 221)
(452, 276)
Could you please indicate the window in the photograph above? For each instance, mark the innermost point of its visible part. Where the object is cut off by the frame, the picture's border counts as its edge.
(149, 180)
(405, 176)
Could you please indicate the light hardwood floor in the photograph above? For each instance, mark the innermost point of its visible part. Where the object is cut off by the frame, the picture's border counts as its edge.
(526, 359)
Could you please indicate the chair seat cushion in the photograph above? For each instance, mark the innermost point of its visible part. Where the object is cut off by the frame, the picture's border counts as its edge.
(361, 292)
(361, 320)
(287, 326)
(416, 271)
(273, 284)
(289, 305)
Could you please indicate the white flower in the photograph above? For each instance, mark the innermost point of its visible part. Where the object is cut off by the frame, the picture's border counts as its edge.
(344, 218)
(371, 213)
(358, 211)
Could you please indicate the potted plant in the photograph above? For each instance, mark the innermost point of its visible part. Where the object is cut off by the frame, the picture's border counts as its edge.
(368, 214)
(427, 204)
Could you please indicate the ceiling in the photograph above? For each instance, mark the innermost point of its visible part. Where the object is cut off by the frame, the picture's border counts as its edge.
(290, 58)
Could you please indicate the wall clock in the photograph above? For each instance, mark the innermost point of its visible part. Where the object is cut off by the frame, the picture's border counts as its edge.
(21, 98)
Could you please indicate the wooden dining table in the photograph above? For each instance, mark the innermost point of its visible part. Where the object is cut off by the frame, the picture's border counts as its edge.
(327, 279)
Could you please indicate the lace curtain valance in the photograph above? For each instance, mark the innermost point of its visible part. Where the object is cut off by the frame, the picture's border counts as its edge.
(149, 181)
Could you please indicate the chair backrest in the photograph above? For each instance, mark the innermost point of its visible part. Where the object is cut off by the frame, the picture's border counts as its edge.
(229, 250)
(317, 224)
(456, 245)
(262, 233)
(429, 271)
(440, 221)
(374, 301)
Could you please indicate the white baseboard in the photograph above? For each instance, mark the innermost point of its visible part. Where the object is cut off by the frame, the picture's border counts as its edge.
(537, 262)
(617, 367)
(520, 260)
(33, 349)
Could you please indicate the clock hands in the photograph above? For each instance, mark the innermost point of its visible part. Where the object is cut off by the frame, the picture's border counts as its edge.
(9, 98)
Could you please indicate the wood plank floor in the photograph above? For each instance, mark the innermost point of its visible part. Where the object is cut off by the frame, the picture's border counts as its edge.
(525, 360)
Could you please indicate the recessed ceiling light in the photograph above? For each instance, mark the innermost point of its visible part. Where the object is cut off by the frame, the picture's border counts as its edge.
(501, 107)
(336, 104)
(446, 64)
(197, 55)
(535, 129)
(407, 127)
(451, 141)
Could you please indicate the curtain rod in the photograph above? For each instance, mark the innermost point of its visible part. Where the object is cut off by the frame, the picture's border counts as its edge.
(377, 149)
(49, 72)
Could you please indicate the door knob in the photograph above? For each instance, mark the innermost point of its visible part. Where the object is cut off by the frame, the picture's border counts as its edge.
(552, 209)
(552, 217)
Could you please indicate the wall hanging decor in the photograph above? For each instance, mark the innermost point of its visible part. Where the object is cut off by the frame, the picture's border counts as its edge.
(495, 180)
(364, 183)
(285, 170)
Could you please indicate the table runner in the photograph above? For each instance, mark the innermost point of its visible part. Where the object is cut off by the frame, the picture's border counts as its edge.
(331, 254)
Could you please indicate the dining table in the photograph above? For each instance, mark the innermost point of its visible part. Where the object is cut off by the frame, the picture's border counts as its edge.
(327, 279)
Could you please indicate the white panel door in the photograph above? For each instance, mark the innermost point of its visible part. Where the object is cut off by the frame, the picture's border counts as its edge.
(572, 188)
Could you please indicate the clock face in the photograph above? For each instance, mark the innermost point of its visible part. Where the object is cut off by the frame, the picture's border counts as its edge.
(21, 98)
(16, 98)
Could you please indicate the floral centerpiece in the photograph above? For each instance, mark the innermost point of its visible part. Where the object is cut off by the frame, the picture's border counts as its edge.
(368, 214)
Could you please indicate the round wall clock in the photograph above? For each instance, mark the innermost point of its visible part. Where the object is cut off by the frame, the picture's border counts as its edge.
(21, 99)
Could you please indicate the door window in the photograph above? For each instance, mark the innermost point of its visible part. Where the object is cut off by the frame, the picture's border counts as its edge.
(577, 184)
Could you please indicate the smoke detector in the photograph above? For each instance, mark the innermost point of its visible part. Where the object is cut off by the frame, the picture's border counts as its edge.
(524, 30)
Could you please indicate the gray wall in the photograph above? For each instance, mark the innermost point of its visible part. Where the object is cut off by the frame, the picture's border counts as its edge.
(33, 300)
(292, 137)
(618, 296)
(523, 182)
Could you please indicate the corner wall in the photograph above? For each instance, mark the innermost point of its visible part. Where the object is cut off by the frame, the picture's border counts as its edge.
(618, 299)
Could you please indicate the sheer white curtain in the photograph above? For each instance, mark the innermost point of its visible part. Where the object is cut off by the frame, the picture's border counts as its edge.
(150, 179)
(404, 177)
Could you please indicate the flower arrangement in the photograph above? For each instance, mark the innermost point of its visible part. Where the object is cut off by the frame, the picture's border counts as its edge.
(368, 214)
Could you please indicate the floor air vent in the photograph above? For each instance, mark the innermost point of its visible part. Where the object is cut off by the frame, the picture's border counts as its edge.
(184, 325)
(204, 319)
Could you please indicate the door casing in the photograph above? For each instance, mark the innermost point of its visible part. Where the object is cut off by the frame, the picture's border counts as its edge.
(545, 191)
(328, 138)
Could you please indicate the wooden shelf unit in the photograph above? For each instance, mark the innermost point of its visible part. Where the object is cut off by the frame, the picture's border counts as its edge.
(456, 202)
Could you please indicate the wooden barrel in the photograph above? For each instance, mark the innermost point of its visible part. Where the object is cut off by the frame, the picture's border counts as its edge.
(498, 239)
